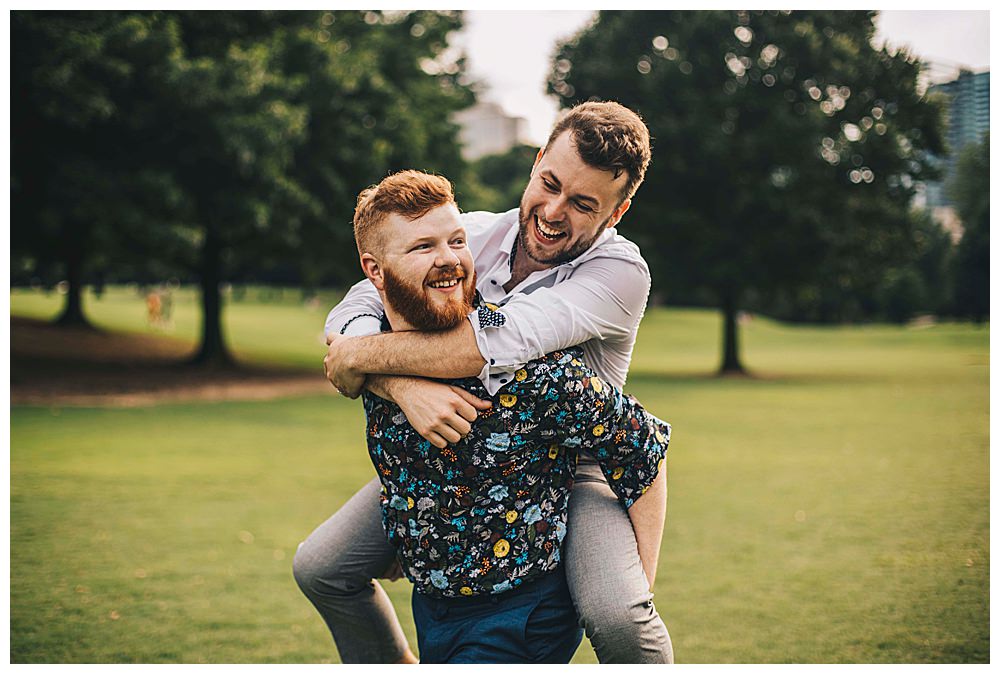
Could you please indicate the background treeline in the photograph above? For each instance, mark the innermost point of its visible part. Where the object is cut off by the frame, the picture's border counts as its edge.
(218, 147)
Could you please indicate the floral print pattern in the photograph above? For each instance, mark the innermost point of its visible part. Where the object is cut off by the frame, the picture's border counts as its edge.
(488, 513)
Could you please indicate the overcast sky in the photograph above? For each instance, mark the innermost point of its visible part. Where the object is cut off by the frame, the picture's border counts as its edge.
(511, 50)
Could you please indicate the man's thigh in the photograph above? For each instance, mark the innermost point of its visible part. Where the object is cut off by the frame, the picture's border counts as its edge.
(605, 576)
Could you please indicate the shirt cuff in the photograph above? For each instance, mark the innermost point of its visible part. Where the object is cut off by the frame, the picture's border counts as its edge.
(629, 479)
(361, 325)
(496, 373)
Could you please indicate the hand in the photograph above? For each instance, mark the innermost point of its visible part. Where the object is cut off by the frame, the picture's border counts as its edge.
(347, 381)
(441, 413)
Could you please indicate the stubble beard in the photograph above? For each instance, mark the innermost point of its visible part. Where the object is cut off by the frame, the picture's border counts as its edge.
(526, 220)
(415, 307)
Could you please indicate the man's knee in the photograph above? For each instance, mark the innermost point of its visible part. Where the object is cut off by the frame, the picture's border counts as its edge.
(322, 572)
(305, 570)
(626, 632)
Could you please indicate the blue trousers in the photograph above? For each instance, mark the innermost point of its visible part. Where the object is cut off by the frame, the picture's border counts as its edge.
(534, 623)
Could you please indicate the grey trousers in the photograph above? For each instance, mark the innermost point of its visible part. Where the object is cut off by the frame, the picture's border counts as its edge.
(336, 566)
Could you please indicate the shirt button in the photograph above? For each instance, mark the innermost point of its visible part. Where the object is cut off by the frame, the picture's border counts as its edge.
(503, 381)
(492, 362)
(493, 281)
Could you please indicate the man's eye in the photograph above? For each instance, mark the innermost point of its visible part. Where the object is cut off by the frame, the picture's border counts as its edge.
(458, 242)
(422, 246)
(549, 186)
(583, 208)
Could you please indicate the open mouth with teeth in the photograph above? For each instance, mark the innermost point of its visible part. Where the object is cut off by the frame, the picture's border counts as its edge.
(446, 284)
(545, 232)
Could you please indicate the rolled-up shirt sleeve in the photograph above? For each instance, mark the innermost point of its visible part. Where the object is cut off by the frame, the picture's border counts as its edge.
(358, 314)
(633, 449)
(581, 411)
(603, 299)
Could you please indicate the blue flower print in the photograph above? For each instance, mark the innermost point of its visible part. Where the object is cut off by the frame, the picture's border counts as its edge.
(532, 514)
(498, 442)
(500, 587)
(560, 530)
(398, 502)
(498, 492)
(438, 579)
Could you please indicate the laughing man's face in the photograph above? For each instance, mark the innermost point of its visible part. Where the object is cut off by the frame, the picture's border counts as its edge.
(567, 204)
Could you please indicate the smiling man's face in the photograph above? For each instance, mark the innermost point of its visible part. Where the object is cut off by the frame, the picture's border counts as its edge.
(567, 204)
(427, 271)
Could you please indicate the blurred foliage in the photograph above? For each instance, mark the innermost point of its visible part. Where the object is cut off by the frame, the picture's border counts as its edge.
(219, 145)
(786, 147)
(971, 193)
(496, 182)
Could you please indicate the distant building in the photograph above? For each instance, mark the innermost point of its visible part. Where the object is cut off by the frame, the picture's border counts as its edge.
(487, 129)
(966, 121)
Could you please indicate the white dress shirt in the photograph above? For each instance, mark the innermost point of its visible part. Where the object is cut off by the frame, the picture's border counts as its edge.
(596, 301)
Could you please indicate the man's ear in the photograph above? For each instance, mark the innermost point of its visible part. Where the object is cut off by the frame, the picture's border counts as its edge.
(619, 212)
(538, 158)
(373, 270)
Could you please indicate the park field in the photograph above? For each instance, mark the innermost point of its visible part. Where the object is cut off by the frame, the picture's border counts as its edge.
(832, 508)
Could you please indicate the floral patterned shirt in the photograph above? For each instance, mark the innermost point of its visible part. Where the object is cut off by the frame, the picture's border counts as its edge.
(488, 513)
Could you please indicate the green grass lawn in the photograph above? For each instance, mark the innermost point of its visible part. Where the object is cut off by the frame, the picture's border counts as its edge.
(833, 509)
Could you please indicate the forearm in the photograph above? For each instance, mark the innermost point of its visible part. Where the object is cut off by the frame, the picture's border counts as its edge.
(648, 514)
(442, 355)
(389, 387)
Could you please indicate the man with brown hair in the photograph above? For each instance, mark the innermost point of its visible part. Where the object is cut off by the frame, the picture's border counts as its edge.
(478, 524)
(559, 275)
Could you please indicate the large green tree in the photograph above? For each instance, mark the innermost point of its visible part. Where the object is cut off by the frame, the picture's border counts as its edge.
(223, 142)
(970, 190)
(785, 145)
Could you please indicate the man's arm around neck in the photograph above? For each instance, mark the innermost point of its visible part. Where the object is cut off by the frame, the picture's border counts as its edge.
(448, 354)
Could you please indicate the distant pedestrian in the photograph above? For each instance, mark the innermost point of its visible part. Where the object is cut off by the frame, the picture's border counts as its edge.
(154, 308)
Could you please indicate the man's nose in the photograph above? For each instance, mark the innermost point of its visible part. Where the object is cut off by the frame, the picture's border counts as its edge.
(446, 257)
(554, 209)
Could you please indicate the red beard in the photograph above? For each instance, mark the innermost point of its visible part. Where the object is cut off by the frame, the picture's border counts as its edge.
(414, 305)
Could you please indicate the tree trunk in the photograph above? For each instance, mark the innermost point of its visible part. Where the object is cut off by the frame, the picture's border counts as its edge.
(212, 352)
(730, 336)
(72, 315)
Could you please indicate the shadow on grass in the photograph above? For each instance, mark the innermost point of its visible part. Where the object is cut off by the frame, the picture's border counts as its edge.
(55, 365)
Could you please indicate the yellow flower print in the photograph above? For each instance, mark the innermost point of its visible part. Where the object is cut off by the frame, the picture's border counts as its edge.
(597, 384)
(409, 502)
(466, 590)
(521, 375)
(617, 473)
(491, 307)
(575, 362)
(599, 430)
(659, 437)
(508, 400)
(501, 548)
(553, 451)
(511, 516)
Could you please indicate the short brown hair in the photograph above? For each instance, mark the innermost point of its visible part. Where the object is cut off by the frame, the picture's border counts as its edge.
(610, 137)
(408, 193)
